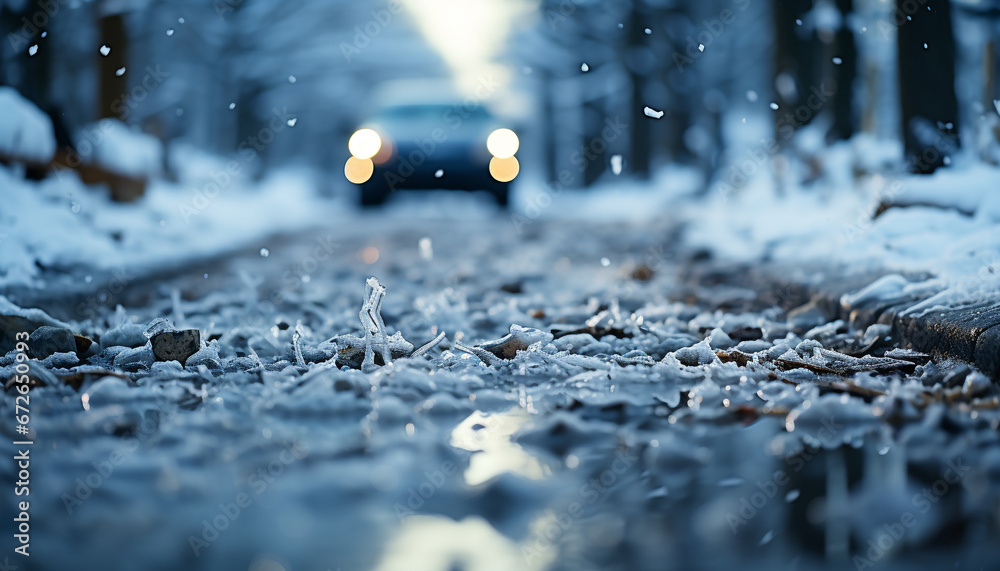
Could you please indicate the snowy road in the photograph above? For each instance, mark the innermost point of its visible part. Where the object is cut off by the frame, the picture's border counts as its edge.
(656, 414)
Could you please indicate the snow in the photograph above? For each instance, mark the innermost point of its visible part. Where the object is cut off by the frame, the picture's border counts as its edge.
(120, 149)
(25, 131)
(171, 225)
(952, 235)
(650, 112)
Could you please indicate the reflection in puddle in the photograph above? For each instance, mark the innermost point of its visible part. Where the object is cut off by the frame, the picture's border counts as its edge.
(488, 435)
(435, 543)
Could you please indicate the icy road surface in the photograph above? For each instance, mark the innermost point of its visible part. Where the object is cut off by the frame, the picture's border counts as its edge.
(652, 412)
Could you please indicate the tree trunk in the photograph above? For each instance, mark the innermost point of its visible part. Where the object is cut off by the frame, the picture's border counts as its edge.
(844, 75)
(548, 121)
(640, 142)
(797, 70)
(595, 147)
(113, 88)
(927, 83)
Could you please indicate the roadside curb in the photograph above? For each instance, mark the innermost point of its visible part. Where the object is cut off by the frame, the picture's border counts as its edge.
(969, 334)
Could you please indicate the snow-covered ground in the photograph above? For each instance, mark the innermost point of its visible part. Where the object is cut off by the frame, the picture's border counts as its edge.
(631, 418)
(61, 224)
(946, 224)
(559, 397)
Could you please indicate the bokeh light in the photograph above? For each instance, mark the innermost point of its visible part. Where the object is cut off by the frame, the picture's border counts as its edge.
(358, 170)
(504, 169)
(364, 144)
(502, 143)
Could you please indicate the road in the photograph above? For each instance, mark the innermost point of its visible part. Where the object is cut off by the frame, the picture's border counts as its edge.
(662, 412)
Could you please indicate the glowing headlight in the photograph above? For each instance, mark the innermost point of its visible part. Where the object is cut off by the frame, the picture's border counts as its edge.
(364, 144)
(358, 170)
(502, 143)
(504, 170)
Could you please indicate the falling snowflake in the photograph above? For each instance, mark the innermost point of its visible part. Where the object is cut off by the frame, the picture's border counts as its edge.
(650, 112)
(616, 164)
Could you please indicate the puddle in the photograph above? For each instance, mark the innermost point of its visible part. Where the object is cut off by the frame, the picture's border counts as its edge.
(436, 543)
(488, 435)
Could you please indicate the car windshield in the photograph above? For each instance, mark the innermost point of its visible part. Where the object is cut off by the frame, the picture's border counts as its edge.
(435, 112)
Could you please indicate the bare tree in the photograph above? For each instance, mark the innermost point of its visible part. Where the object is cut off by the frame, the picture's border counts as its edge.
(927, 98)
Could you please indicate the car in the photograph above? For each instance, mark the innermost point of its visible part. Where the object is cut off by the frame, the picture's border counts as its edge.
(432, 145)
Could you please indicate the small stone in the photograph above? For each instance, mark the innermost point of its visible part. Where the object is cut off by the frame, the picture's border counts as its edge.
(83, 344)
(15, 320)
(519, 339)
(176, 345)
(642, 273)
(343, 385)
(47, 340)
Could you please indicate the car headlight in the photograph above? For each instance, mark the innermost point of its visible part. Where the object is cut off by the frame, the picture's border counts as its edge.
(504, 170)
(502, 143)
(358, 170)
(364, 144)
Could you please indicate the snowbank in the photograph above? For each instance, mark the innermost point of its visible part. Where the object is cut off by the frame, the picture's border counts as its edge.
(120, 149)
(58, 222)
(25, 131)
(948, 225)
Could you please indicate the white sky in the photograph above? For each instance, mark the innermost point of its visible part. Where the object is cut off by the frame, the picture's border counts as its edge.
(469, 34)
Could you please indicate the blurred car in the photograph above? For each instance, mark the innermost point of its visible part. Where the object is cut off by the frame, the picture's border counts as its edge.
(432, 145)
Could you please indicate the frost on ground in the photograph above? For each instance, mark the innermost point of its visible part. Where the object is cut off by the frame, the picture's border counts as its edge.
(872, 222)
(533, 407)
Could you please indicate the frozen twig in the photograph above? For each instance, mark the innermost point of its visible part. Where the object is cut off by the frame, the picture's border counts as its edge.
(371, 322)
(299, 360)
(484, 355)
(428, 346)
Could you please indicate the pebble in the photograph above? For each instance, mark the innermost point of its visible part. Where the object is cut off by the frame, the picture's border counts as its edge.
(176, 345)
(47, 340)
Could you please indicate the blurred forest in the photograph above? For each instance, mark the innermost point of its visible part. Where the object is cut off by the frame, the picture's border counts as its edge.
(596, 75)
(919, 72)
